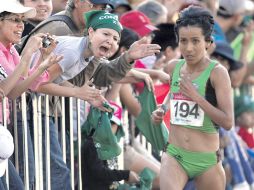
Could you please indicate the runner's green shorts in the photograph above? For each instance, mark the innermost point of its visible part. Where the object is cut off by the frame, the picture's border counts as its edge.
(193, 163)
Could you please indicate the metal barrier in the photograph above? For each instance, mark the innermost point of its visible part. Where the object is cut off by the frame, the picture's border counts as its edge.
(38, 115)
(39, 154)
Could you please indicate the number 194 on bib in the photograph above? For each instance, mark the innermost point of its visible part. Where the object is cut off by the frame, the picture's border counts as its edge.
(186, 112)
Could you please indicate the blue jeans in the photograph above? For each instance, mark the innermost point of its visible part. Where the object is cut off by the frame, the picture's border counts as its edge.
(2, 186)
(15, 182)
(60, 173)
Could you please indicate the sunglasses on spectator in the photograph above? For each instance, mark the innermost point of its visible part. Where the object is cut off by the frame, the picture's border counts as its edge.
(15, 20)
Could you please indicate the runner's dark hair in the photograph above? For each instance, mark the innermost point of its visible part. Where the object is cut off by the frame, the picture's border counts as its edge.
(198, 17)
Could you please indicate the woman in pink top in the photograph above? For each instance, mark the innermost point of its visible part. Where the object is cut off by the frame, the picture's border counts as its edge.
(20, 78)
(15, 73)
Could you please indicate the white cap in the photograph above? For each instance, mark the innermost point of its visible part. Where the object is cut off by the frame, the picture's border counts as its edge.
(14, 6)
(6, 148)
(232, 7)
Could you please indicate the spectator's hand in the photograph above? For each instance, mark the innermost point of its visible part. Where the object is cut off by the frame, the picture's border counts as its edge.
(163, 77)
(133, 177)
(87, 92)
(48, 50)
(99, 103)
(50, 60)
(157, 115)
(33, 44)
(144, 77)
(149, 82)
(140, 49)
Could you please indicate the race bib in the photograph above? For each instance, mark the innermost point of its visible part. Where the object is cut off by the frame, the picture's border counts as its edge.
(186, 112)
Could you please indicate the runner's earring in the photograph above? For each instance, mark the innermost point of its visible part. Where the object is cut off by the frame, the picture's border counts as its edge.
(211, 42)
